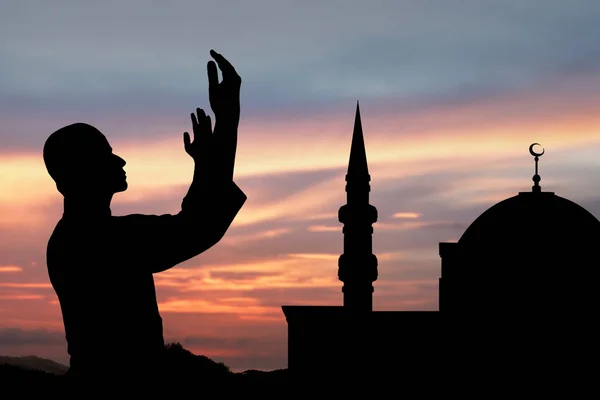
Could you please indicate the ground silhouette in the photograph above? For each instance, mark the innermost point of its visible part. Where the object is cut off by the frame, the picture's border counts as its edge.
(187, 372)
(35, 363)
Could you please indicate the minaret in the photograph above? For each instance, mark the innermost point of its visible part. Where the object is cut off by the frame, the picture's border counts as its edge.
(358, 264)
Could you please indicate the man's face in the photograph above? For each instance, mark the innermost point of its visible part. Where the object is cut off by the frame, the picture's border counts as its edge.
(102, 170)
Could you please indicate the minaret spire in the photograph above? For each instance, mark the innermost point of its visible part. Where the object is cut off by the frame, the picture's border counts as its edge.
(358, 266)
(357, 178)
(357, 167)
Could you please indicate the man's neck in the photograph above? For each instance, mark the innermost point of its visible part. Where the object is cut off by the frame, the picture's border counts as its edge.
(87, 207)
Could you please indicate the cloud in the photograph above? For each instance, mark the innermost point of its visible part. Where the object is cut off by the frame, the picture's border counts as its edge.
(268, 273)
(437, 225)
(242, 306)
(324, 228)
(238, 275)
(8, 297)
(10, 268)
(17, 336)
(309, 256)
(25, 285)
(406, 215)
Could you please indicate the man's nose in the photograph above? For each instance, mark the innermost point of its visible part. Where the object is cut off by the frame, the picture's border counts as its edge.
(120, 161)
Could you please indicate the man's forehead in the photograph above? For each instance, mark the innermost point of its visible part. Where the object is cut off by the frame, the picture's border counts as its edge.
(95, 138)
(101, 145)
(88, 140)
(102, 140)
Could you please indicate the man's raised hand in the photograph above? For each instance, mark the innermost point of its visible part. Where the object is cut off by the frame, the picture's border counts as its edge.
(224, 96)
(225, 102)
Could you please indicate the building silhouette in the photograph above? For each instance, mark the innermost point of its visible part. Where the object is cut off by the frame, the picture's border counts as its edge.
(516, 293)
(336, 343)
(522, 282)
(523, 248)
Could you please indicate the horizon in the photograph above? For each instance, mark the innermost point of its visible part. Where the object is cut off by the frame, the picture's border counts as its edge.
(451, 97)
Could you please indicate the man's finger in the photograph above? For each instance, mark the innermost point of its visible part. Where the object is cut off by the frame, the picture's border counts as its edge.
(213, 75)
(194, 121)
(224, 65)
(208, 124)
(186, 140)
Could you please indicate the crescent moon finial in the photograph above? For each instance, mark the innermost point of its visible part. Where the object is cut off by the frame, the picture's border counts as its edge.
(536, 178)
(533, 153)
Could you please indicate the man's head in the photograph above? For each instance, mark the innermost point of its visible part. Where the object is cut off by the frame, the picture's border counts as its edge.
(80, 160)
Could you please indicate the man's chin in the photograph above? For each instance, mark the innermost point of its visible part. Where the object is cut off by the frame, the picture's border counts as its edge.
(123, 187)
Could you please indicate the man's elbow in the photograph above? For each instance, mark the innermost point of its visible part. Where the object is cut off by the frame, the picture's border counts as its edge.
(213, 237)
(217, 235)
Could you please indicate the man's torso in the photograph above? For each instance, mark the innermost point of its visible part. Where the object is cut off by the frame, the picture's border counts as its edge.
(108, 300)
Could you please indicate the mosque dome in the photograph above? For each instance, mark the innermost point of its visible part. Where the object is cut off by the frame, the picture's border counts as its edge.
(530, 217)
(532, 228)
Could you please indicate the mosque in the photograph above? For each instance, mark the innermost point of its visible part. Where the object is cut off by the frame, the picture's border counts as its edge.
(519, 284)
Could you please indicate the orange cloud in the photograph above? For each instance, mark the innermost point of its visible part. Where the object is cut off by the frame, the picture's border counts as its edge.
(406, 215)
(25, 285)
(282, 273)
(21, 297)
(10, 268)
(246, 306)
(238, 283)
(328, 257)
(268, 234)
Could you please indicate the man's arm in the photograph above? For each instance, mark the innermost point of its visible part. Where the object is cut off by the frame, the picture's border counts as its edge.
(213, 199)
(158, 242)
(210, 206)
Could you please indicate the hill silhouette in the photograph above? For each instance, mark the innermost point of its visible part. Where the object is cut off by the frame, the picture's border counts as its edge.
(187, 370)
(35, 363)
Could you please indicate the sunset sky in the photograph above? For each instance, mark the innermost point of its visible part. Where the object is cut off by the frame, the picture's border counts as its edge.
(451, 93)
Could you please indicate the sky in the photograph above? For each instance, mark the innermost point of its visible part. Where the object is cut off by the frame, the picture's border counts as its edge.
(451, 96)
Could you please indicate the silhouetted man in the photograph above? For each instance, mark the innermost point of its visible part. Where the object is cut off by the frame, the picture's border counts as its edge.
(101, 265)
